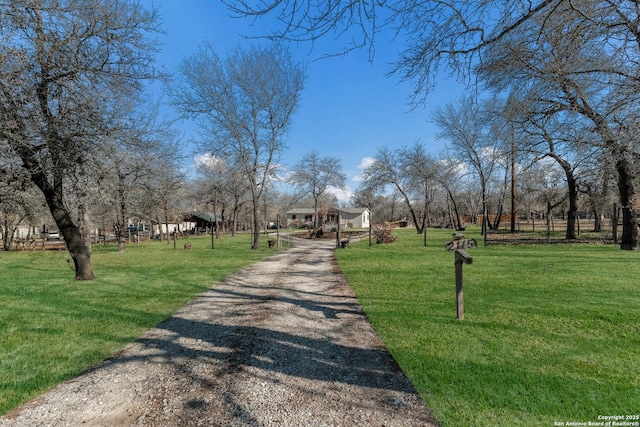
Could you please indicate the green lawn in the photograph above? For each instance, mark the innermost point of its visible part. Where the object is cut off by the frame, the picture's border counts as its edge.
(52, 327)
(551, 332)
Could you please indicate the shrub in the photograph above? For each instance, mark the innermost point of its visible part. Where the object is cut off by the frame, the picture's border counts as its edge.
(384, 234)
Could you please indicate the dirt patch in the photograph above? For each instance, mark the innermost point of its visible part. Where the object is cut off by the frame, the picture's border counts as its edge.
(282, 343)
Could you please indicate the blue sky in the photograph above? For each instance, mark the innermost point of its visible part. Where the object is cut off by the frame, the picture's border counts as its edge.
(349, 107)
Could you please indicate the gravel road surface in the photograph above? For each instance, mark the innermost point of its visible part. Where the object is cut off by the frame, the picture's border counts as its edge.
(283, 342)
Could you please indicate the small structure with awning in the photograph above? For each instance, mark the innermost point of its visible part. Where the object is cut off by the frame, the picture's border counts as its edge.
(201, 222)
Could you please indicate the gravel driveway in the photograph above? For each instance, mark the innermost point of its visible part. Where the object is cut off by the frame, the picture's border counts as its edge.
(283, 342)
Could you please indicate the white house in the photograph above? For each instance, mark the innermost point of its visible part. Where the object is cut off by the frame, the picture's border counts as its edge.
(355, 218)
(349, 218)
(299, 217)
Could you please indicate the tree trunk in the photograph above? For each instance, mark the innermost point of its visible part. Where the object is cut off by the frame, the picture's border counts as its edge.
(255, 244)
(549, 222)
(572, 214)
(572, 194)
(485, 213)
(122, 218)
(503, 195)
(166, 223)
(425, 212)
(214, 207)
(5, 235)
(597, 219)
(234, 217)
(459, 226)
(498, 220)
(223, 221)
(594, 205)
(419, 227)
(79, 248)
(629, 240)
(513, 185)
(315, 212)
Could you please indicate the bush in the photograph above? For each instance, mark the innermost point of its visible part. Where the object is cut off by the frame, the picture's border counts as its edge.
(384, 234)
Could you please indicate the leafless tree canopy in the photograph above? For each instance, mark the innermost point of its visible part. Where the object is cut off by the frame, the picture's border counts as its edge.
(314, 174)
(410, 172)
(446, 34)
(69, 71)
(244, 103)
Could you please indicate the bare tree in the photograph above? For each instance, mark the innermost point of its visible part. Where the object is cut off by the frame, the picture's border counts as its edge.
(66, 66)
(222, 187)
(545, 136)
(448, 33)
(543, 183)
(448, 175)
(561, 66)
(466, 128)
(20, 203)
(164, 187)
(314, 175)
(136, 152)
(125, 173)
(244, 103)
(597, 183)
(408, 171)
(421, 172)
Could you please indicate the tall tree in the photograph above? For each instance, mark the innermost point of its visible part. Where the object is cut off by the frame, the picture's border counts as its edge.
(66, 67)
(597, 183)
(546, 136)
(561, 66)
(448, 174)
(135, 152)
(466, 128)
(244, 103)
(421, 171)
(408, 171)
(222, 187)
(315, 174)
(165, 189)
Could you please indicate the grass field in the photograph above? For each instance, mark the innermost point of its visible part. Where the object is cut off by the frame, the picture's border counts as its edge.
(551, 332)
(52, 328)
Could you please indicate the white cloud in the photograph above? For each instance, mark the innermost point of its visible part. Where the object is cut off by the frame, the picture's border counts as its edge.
(342, 194)
(364, 163)
(282, 174)
(459, 167)
(207, 161)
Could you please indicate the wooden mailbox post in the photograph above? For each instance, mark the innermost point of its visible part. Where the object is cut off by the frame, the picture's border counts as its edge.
(458, 245)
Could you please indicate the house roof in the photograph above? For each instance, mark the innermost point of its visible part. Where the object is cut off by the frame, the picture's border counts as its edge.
(205, 216)
(354, 210)
(310, 211)
(301, 211)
